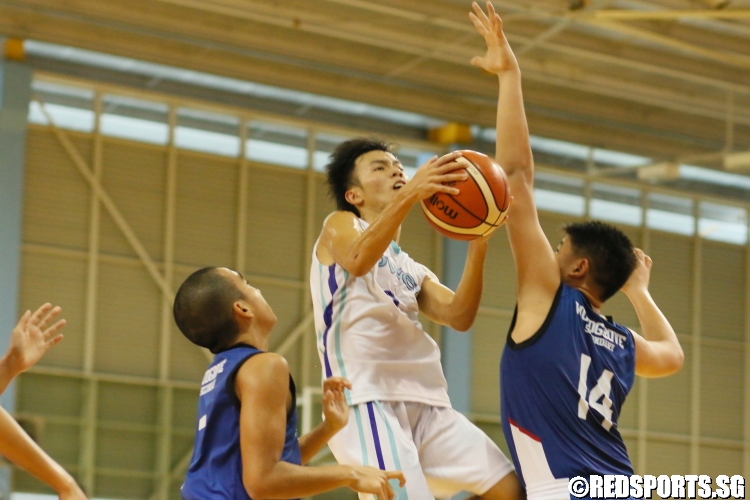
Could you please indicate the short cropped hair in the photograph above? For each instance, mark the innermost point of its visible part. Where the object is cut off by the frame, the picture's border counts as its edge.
(203, 309)
(609, 251)
(340, 167)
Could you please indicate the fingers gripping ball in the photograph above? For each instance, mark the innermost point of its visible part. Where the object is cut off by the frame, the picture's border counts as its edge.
(479, 208)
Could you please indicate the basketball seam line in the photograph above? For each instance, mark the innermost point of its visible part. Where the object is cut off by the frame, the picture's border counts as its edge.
(498, 205)
(486, 206)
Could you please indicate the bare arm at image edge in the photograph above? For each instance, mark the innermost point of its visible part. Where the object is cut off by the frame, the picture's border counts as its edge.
(30, 339)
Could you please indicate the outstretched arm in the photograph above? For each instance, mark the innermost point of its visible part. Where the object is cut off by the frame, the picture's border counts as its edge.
(30, 339)
(537, 269)
(658, 352)
(345, 243)
(262, 386)
(457, 310)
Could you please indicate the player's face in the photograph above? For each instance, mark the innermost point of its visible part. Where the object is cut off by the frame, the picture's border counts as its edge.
(380, 175)
(261, 310)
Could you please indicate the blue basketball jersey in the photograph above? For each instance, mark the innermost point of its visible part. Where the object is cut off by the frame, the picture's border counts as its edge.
(216, 467)
(561, 392)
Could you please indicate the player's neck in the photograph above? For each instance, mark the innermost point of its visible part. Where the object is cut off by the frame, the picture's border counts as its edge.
(256, 337)
(594, 302)
(370, 216)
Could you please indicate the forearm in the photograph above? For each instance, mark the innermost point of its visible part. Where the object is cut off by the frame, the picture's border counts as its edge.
(373, 242)
(312, 442)
(7, 372)
(513, 150)
(655, 326)
(465, 304)
(658, 353)
(19, 448)
(287, 480)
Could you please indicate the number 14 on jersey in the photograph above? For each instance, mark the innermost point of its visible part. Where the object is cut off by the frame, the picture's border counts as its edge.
(591, 399)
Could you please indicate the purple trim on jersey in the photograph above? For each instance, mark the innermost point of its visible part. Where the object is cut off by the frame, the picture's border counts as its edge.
(328, 316)
(390, 294)
(375, 437)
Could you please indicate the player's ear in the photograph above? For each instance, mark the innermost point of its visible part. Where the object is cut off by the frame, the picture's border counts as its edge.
(581, 268)
(353, 196)
(242, 309)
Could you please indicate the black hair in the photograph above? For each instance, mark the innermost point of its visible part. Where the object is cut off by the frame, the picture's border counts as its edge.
(340, 167)
(609, 251)
(203, 309)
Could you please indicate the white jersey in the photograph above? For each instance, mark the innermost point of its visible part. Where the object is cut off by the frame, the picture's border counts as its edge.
(369, 332)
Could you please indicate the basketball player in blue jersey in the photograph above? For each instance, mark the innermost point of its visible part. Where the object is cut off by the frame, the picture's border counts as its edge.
(367, 295)
(246, 444)
(30, 339)
(566, 369)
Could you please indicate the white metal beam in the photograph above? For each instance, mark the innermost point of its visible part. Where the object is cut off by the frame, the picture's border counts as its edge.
(90, 400)
(746, 405)
(243, 182)
(668, 15)
(695, 366)
(295, 334)
(308, 349)
(165, 397)
(643, 382)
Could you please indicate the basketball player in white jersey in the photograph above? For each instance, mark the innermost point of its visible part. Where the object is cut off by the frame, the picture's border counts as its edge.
(367, 294)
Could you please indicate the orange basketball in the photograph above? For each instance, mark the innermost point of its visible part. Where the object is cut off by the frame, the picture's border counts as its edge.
(479, 208)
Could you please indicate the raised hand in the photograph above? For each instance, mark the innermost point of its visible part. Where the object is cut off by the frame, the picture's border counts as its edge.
(638, 281)
(375, 481)
(499, 56)
(436, 176)
(335, 409)
(32, 337)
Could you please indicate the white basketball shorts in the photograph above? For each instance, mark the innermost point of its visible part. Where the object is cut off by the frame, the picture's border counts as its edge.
(440, 452)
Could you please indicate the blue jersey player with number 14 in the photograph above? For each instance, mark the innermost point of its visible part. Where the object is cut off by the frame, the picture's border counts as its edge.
(566, 369)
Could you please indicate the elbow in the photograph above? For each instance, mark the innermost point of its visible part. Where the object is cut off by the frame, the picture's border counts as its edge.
(459, 319)
(461, 324)
(255, 488)
(673, 364)
(355, 268)
(522, 165)
(679, 360)
(357, 271)
(676, 360)
(253, 492)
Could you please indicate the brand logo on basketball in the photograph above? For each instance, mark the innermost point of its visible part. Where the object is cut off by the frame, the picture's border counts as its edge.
(441, 205)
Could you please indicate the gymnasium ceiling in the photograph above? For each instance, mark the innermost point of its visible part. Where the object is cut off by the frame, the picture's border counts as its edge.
(667, 79)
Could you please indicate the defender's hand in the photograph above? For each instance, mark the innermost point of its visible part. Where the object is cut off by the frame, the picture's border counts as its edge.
(499, 56)
(335, 409)
(375, 481)
(436, 176)
(638, 281)
(31, 338)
